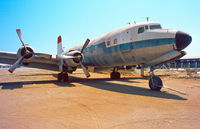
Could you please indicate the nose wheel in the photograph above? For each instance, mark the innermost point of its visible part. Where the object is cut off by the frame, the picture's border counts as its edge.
(63, 77)
(155, 83)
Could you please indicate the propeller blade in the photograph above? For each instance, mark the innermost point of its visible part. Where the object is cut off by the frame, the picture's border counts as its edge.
(87, 74)
(20, 37)
(48, 56)
(85, 45)
(16, 64)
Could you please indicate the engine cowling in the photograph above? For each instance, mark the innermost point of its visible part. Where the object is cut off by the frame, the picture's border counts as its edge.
(78, 57)
(21, 51)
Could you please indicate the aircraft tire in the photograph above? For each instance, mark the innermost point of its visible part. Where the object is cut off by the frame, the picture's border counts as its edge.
(65, 77)
(60, 77)
(155, 83)
(115, 75)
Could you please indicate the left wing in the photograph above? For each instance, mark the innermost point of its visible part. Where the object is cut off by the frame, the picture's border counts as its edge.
(41, 62)
(27, 57)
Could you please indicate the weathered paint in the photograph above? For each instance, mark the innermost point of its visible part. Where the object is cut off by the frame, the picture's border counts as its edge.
(131, 48)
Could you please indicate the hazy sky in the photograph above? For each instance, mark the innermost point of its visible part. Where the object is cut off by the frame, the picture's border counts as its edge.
(42, 21)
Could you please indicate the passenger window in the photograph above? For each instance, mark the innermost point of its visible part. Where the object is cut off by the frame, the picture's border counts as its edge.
(108, 43)
(155, 27)
(115, 41)
(146, 27)
(140, 30)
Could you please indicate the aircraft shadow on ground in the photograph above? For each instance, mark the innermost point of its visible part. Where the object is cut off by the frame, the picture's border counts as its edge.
(38, 74)
(105, 84)
(100, 83)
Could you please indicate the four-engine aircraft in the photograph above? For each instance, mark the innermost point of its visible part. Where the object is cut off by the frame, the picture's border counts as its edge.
(145, 44)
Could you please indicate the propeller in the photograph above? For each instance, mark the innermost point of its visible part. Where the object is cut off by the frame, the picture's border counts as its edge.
(27, 53)
(77, 57)
(16, 64)
(19, 33)
(19, 61)
(85, 45)
(86, 72)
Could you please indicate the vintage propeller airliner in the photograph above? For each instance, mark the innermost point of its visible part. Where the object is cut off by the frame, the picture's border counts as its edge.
(145, 44)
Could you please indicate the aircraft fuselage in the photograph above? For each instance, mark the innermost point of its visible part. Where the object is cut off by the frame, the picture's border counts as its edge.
(133, 44)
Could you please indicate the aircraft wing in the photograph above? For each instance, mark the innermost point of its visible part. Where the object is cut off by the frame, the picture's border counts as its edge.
(33, 62)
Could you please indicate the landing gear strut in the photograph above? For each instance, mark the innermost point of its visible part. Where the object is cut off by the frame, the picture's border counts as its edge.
(114, 74)
(63, 77)
(155, 83)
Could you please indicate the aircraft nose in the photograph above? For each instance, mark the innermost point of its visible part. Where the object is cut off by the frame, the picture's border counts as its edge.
(182, 40)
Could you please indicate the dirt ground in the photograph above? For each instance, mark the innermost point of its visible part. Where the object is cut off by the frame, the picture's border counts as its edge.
(33, 99)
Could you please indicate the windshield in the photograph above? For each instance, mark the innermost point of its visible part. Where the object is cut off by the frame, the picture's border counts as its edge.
(155, 27)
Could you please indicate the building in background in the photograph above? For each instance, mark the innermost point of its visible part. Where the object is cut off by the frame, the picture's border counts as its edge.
(186, 62)
(4, 66)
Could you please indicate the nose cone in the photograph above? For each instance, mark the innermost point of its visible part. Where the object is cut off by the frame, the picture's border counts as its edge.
(182, 40)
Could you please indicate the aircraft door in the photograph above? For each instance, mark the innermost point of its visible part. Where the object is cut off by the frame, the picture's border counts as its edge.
(126, 36)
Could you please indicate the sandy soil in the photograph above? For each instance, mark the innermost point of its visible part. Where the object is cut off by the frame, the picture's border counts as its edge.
(33, 99)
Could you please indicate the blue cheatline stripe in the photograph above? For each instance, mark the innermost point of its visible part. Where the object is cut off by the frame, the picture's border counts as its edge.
(126, 46)
(132, 45)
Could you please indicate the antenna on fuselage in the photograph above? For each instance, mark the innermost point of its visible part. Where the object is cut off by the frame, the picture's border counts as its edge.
(147, 18)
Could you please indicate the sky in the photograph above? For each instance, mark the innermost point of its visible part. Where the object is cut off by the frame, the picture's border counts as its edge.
(42, 21)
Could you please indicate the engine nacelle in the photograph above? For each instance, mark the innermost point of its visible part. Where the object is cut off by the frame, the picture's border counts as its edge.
(76, 54)
(71, 59)
(21, 51)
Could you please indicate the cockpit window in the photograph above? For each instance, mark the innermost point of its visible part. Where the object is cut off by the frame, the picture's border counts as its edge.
(152, 27)
(141, 30)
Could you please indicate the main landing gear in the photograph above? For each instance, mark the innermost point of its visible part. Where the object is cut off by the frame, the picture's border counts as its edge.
(114, 74)
(155, 83)
(63, 77)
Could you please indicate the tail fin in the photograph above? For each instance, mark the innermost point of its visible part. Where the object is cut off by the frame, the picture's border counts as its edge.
(59, 46)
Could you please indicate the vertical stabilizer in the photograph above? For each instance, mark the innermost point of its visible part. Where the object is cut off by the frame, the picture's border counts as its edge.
(59, 46)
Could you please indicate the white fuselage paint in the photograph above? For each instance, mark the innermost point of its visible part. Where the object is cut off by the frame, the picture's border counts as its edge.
(128, 47)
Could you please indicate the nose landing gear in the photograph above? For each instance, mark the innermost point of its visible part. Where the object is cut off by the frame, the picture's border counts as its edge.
(155, 83)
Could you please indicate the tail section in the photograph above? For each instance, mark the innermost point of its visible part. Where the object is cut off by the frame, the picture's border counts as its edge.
(59, 46)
